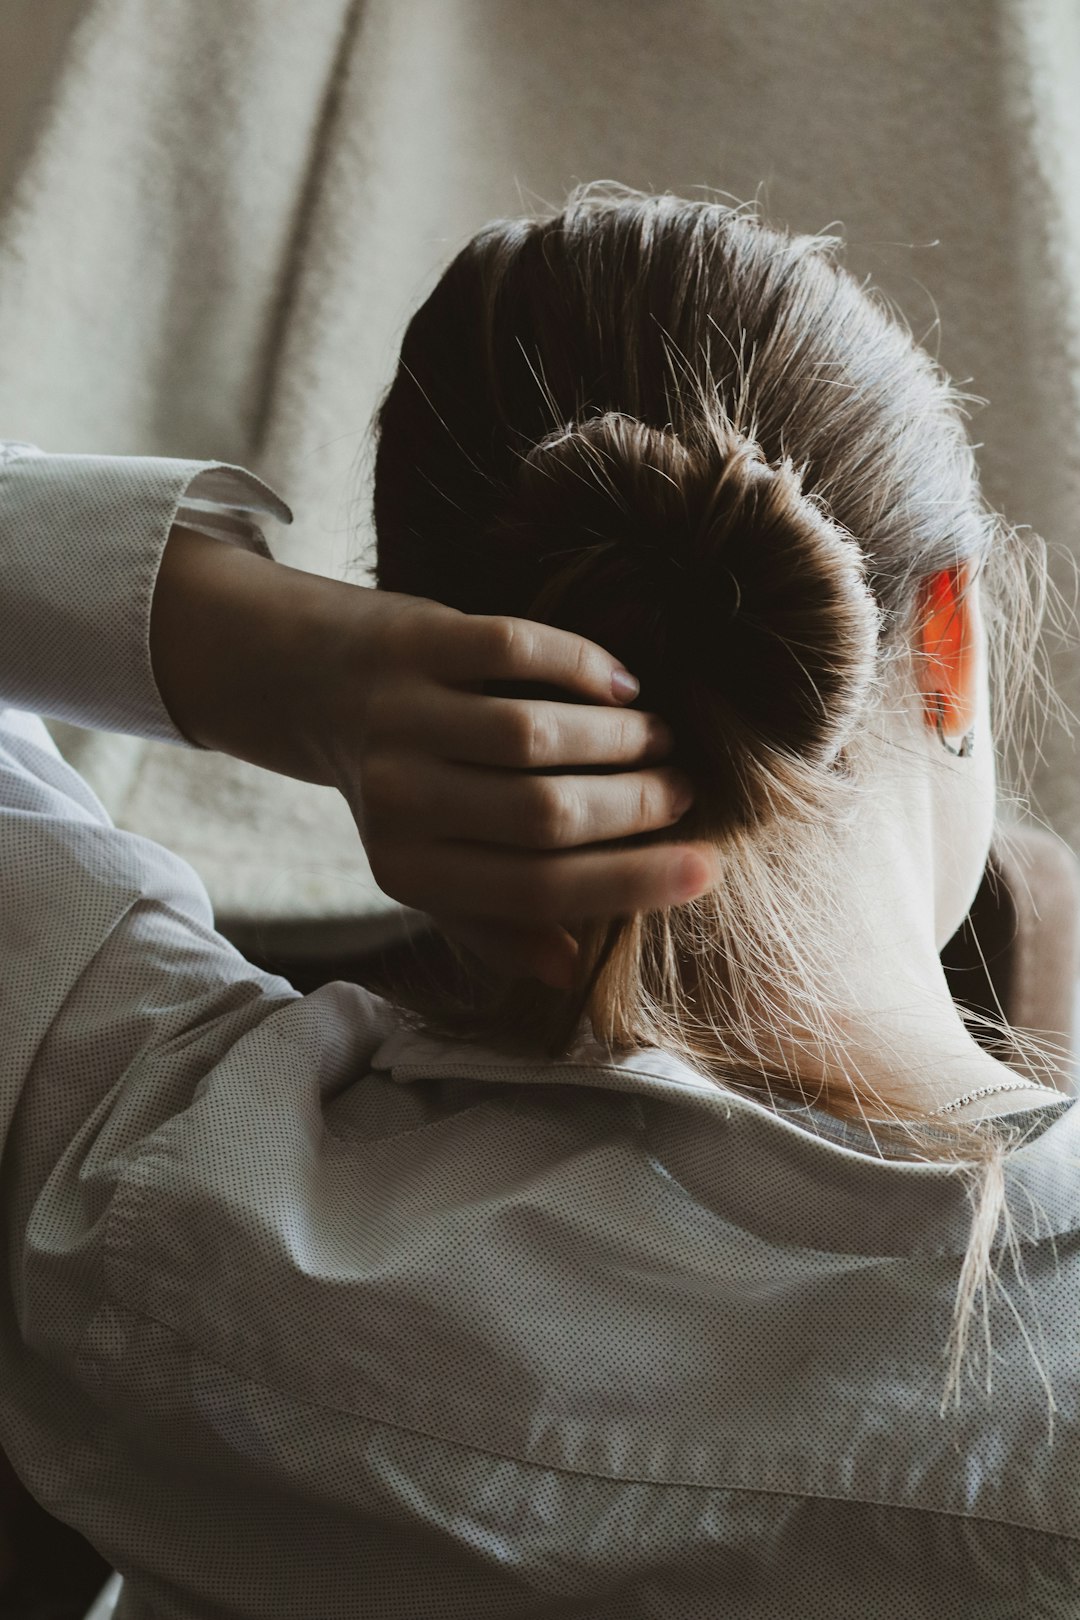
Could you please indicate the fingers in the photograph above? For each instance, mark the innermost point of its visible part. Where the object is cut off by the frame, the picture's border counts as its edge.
(412, 795)
(475, 647)
(476, 881)
(524, 733)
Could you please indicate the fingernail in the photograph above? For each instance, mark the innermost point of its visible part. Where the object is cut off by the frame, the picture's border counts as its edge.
(694, 877)
(624, 686)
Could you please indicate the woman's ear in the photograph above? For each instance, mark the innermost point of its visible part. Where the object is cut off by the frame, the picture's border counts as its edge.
(947, 648)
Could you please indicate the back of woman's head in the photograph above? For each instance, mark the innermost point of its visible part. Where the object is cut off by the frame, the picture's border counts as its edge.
(699, 442)
(693, 437)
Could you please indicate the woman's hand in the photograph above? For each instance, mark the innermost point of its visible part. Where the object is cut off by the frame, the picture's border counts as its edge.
(443, 780)
(452, 789)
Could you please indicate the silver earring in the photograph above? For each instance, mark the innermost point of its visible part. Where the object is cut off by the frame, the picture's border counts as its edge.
(967, 741)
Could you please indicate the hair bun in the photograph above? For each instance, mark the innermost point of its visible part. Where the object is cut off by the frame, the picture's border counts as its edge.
(736, 601)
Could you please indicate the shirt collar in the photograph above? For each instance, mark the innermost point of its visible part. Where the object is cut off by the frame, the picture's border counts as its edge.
(762, 1169)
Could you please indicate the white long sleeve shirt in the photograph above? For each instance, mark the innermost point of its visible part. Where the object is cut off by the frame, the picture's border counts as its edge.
(306, 1316)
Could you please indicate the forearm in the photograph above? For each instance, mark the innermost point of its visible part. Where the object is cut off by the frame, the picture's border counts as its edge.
(234, 640)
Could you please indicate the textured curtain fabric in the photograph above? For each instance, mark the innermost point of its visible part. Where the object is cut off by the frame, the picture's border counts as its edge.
(215, 220)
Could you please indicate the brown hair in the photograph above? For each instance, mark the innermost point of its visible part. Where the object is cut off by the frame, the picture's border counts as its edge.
(699, 442)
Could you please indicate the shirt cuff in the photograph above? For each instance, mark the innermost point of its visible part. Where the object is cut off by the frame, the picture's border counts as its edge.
(81, 542)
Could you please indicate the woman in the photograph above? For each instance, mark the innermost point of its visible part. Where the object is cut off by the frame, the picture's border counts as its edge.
(638, 1294)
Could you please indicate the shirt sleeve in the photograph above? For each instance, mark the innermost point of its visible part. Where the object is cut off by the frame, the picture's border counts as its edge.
(81, 538)
(81, 541)
(121, 1006)
(135, 1039)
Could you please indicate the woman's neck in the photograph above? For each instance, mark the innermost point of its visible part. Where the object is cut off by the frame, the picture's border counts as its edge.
(896, 1030)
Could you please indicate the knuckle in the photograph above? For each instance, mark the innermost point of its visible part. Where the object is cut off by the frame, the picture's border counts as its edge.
(541, 733)
(518, 741)
(655, 801)
(623, 733)
(503, 640)
(585, 670)
(553, 820)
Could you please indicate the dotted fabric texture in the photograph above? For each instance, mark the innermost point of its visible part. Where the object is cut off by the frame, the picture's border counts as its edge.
(306, 1316)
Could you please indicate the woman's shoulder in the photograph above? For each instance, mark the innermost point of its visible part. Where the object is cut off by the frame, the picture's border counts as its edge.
(538, 1265)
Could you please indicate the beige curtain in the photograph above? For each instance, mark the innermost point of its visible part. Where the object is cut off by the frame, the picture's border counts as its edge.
(216, 217)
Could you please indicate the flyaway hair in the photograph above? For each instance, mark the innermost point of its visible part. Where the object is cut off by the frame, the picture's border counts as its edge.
(699, 442)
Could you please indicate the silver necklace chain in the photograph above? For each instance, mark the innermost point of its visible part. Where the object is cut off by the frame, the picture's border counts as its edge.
(985, 1091)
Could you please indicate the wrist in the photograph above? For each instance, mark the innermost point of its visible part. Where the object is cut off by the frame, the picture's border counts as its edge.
(234, 638)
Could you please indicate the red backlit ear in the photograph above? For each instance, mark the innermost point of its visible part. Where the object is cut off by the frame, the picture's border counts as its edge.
(947, 665)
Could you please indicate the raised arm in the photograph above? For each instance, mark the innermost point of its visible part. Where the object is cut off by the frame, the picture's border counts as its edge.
(473, 807)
